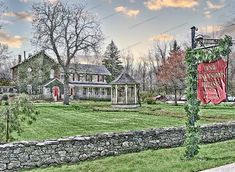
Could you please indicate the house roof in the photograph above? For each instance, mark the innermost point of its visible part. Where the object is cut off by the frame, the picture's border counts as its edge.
(80, 68)
(33, 56)
(90, 69)
(124, 78)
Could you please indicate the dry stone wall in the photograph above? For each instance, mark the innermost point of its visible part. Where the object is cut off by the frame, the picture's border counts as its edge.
(26, 155)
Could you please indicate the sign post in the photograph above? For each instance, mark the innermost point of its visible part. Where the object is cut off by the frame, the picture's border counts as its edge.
(205, 82)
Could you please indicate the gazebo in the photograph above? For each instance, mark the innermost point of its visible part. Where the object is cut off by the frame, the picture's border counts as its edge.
(124, 92)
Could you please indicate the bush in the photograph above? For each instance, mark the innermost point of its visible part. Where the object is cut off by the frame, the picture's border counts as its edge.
(4, 97)
(150, 101)
(145, 95)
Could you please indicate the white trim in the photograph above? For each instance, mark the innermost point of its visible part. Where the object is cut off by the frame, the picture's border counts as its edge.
(53, 81)
(135, 95)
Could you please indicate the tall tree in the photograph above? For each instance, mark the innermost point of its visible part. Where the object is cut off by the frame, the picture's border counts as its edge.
(172, 73)
(66, 30)
(112, 61)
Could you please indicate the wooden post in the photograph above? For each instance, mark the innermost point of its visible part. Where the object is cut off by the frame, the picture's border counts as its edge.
(116, 90)
(135, 95)
(126, 87)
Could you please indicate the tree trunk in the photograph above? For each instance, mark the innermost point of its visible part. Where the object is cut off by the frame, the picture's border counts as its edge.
(7, 127)
(175, 97)
(66, 90)
(166, 90)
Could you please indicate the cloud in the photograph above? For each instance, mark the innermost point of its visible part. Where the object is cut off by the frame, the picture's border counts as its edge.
(24, 1)
(126, 11)
(27, 1)
(5, 22)
(162, 37)
(12, 41)
(210, 5)
(210, 29)
(159, 4)
(23, 15)
(207, 14)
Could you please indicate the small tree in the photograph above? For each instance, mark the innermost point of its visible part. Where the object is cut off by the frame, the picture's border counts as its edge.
(15, 113)
(172, 73)
(66, 30)
(112, 61)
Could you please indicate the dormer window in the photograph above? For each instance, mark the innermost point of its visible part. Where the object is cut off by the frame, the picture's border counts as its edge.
(52, 74)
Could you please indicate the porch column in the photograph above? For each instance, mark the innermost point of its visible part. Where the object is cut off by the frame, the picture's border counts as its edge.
(116, 90)
(111, 93)
(126, 88)
(92, 92)
(135, 95)
(100, 92)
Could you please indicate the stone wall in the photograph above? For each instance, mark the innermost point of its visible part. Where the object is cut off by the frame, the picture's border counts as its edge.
(25, 155)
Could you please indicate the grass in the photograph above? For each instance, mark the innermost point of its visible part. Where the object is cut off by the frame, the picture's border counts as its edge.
(56, 120)
(164, 160)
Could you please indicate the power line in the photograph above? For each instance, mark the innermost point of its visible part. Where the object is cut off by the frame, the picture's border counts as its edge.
(144, 21)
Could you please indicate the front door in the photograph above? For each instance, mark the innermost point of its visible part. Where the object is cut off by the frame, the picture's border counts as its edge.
(56, 92)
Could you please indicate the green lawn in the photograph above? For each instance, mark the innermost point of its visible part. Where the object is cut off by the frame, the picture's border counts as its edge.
(56, 120)
(164, 160)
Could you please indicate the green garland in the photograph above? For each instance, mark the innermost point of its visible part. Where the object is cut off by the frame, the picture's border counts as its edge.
(192, 59)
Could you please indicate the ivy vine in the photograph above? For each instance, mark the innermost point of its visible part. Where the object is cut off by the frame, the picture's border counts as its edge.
(193, 58)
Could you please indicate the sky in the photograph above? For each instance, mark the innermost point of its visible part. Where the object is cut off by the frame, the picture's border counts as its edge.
(134, 25)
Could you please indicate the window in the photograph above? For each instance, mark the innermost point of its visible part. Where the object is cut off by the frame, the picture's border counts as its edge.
(84, 91)
(29, 70)
(89, 78)
(78, 75)
(52, 74)
(103, 91)
(100, 78)
(71, 91)
(61, 76)
(29, 89)
(73, 76)
(90, 91)
(96, 91)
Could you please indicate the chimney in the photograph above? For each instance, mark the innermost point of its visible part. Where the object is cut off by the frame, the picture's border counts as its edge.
(19, 58)
(24, 55)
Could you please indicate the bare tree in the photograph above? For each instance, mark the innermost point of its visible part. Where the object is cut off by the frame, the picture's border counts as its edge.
(160, 50)
(66, 30)
(157, 55)
(5, 63)
(128, 59)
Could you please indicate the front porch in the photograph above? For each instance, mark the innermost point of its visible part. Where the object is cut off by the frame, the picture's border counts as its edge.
(85, 92)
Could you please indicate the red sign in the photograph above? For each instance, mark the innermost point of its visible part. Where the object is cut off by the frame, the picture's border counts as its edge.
(211, 86)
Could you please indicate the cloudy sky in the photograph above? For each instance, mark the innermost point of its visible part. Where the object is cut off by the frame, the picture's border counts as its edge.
(132, 24)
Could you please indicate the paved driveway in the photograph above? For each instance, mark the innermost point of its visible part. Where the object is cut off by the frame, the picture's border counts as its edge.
(225, 168)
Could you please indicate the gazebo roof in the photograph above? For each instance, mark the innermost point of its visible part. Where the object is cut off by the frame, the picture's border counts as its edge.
(124, 78)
